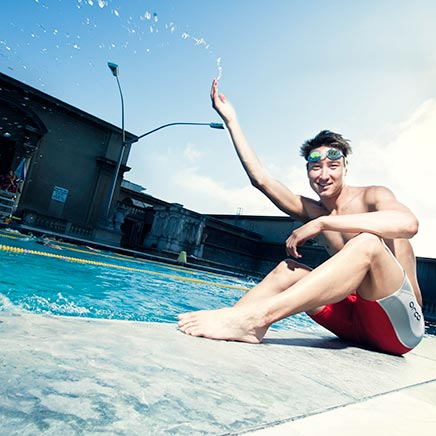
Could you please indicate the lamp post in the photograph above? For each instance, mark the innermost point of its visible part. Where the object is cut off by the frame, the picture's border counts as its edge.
(114, 69)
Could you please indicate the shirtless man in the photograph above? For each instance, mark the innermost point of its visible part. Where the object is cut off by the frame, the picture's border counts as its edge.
(366, 292)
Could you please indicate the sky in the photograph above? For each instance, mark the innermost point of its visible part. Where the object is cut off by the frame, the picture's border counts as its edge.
(290, 67)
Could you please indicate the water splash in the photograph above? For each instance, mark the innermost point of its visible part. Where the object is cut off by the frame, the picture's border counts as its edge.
(171, 27)
(201, 42)
(145, 26)
(220, 68)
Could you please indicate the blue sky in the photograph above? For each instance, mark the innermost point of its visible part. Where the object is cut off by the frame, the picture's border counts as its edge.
(291, 68)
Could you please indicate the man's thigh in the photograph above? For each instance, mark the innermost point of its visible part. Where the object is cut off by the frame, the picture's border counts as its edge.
(385, 275)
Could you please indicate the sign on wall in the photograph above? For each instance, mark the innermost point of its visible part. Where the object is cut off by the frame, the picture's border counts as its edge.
(59, 194)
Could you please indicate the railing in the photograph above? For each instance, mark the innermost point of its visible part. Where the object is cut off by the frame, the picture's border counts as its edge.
(79, 230)
(7, 203)
(134, 211)
(57, 225)
(50, 223)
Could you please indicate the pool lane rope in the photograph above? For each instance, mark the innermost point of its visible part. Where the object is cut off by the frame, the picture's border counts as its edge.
(11, 249)
(119, 256)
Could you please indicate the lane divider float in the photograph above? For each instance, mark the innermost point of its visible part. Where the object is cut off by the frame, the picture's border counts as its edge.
(18, 250)
(118, 256)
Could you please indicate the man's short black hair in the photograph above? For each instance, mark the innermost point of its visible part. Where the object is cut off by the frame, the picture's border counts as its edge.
(329, 139)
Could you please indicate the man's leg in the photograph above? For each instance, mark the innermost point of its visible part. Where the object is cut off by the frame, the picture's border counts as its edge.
(363, 264)
(282, 277)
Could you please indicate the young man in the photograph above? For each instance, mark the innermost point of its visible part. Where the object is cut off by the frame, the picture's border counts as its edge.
(367, 292)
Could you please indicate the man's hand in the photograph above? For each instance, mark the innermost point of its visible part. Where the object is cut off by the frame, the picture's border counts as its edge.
(221, 105)
(300, 236)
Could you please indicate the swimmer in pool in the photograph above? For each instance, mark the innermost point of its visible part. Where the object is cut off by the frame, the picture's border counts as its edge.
(366, 292)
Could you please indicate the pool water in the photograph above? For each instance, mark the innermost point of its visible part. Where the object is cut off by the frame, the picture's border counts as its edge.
(71, 280)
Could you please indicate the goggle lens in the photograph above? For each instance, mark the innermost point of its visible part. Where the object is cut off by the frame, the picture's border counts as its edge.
(331, 153)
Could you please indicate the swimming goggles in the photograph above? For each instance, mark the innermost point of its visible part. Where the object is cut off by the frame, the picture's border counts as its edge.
(331, 153)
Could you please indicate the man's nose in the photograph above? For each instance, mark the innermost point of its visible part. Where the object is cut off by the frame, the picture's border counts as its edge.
(324, 172)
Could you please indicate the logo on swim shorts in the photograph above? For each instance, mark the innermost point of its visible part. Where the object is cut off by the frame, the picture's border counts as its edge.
(415, 311)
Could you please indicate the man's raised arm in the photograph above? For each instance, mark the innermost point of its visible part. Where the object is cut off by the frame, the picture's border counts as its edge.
(278, 193)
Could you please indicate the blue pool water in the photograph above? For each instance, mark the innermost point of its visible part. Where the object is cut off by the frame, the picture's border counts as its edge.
(81, 282)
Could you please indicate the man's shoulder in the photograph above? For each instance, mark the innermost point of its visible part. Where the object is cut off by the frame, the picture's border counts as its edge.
(371, 190)
(375, 195)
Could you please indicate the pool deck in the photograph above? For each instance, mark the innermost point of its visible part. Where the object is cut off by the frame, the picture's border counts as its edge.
(73, 376)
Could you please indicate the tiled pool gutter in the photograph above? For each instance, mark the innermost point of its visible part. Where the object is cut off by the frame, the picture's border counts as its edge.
(68, 376)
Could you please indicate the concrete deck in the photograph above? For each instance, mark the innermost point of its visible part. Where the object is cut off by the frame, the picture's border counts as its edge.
(71, 376)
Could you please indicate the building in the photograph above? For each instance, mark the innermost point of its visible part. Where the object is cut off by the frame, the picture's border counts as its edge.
(67, 157)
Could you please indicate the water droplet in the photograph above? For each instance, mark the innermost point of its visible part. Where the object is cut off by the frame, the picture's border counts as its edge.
(155, 17)
(116, 13)
(147, 15)
(42, 27)
(102, 4)
(185, 35)
(220, 68)
(199, 41)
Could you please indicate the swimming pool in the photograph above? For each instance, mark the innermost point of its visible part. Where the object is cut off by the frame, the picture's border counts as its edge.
(70, 280)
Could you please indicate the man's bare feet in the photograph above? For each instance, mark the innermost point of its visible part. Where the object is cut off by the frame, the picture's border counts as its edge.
(232, 323)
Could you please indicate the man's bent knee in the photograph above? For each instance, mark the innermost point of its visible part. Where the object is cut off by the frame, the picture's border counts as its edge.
(288, 272)
(368, 244)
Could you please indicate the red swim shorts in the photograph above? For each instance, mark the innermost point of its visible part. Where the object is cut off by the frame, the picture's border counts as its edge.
(367, 323)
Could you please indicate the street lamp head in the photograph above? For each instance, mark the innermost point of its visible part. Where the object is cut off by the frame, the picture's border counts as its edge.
(216, 125)
(114, 68)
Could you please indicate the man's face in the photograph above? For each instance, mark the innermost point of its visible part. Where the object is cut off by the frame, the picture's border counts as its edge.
(326, 176)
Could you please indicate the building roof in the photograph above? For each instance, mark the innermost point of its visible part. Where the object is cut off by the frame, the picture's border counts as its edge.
(60, 105)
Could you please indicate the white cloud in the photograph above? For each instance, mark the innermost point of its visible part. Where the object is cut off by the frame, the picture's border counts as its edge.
(208, 196)
(404, 163)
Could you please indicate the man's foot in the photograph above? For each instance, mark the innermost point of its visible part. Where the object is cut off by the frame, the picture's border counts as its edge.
(233, 324)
